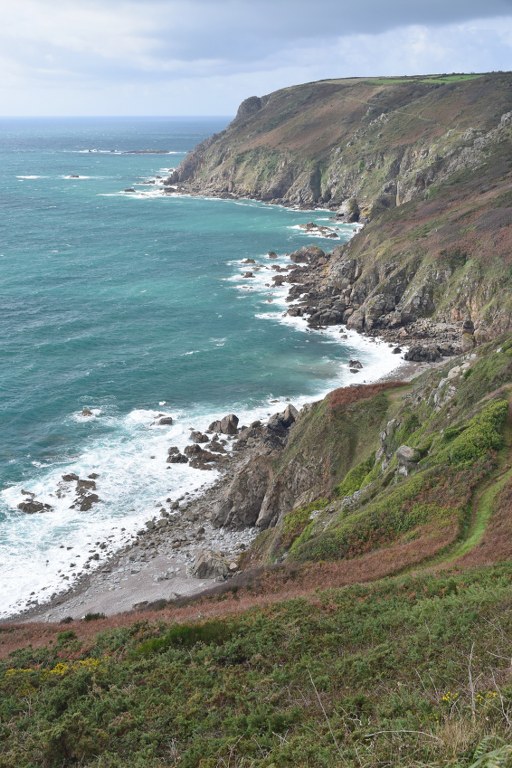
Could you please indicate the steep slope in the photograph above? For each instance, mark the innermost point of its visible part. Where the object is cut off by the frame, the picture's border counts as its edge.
(394, 475)
(321, 143)
(426, 161)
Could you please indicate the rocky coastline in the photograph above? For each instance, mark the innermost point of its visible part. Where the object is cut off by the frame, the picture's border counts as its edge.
(200, 541)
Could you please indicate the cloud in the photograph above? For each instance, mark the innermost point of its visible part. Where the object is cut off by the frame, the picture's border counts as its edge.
(80, 51)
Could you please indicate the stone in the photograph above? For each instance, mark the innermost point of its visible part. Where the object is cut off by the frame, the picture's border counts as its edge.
(33, 507)
(283, 421)
(355, 364)
(407, 459)
(198, 437)
(85, 485)
(87, 501)
(227, 425)
(209, 565)
(164, 420)
(70, 477)
(87, 412)
(422, 354)
(175, 456)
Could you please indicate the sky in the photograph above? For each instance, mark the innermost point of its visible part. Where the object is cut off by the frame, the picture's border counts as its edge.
(203, 57)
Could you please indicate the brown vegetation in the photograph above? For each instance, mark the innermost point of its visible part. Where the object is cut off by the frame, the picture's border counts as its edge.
(354, 394)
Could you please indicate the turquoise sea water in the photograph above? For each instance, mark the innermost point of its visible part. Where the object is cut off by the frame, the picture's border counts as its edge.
(130, 304)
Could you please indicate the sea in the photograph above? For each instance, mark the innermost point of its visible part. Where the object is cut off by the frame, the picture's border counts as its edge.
(121, 304)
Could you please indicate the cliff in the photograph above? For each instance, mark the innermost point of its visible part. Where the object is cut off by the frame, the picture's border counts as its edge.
(426, 162)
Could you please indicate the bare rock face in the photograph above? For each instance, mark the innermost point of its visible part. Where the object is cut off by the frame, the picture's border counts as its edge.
(241, 504)
(468, 335)
(209, 565)
(249, 107)
(407, 459)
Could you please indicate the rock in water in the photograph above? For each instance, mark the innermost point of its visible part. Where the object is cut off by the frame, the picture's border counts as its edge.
(227, 426)
(33, 507)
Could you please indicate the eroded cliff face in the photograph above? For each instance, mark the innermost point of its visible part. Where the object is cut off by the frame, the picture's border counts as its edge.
(383, 141)
(428, 162)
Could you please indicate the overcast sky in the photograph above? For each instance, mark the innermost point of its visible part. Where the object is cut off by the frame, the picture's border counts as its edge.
(202, 57)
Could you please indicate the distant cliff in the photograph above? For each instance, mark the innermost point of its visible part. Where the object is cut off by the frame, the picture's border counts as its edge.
(425, 161)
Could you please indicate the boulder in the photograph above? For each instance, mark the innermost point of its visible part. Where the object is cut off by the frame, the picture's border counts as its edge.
(175, 456)
(199, 458)
(87, 412)
(355, 364)
(209, 565)
(33, 507)
(422, 354)
(283, 421)
(198, 437)
(85, 485)
(227, 425)
(87, 501)
(164, 420)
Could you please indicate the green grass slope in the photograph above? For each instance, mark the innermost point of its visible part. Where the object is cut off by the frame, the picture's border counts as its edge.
(410, 472)
(413, 671)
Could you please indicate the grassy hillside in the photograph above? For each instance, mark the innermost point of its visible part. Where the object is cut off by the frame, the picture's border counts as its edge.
(405, 471)
(413, 671)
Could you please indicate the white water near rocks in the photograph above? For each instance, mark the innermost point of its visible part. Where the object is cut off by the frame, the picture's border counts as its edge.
(134, 305)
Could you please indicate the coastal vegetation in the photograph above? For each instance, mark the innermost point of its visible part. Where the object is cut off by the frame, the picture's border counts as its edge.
(370, 623)
(409, 671)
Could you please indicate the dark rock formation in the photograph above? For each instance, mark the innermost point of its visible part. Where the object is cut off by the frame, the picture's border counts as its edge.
(227, 425)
